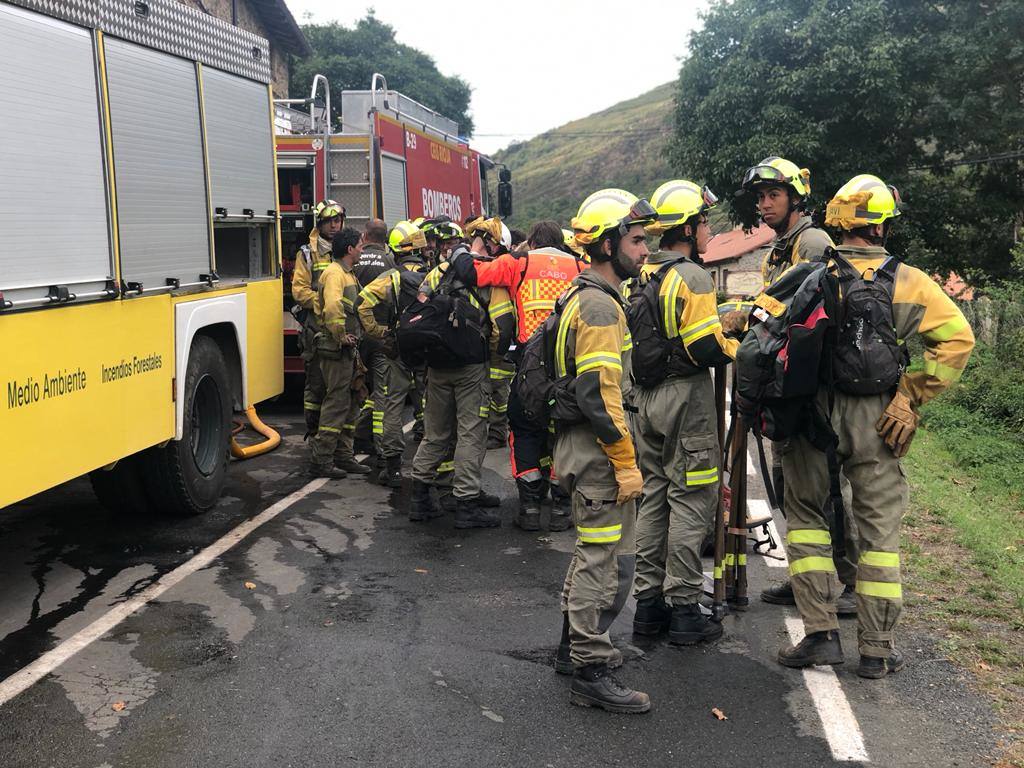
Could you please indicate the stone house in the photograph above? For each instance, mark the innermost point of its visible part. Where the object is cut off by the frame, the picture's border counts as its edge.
(734, 260)
(270, 19)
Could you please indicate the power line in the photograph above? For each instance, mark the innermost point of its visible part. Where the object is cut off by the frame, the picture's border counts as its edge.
(1005, 156)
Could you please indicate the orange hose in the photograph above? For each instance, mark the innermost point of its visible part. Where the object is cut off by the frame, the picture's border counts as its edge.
(247, 452)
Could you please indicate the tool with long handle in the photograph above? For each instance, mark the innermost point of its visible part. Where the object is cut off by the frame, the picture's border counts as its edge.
(718, 605)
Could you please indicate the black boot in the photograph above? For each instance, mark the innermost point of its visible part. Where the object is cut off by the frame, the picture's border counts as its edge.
(561, 511)
(488, 500)
(563, 656)
(595, 686)
(325, 470)
(529, 504)
(652, 616)
(781, 594)
(446, 498)
(391, 475)
(874, 668)
(689, 626)
(422, 506)
(815, 650)
(846, 605)
(351, 466)
(468, 514)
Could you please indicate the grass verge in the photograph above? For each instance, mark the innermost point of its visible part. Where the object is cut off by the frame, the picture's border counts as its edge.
(964, 554)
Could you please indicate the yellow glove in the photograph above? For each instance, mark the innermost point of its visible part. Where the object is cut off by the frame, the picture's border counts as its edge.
(897, 425)
(734, 322)
(631, 484)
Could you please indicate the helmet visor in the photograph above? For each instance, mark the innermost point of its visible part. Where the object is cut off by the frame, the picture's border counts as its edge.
(710, 198)
(764, 174)
(640, 212)
(897, 199)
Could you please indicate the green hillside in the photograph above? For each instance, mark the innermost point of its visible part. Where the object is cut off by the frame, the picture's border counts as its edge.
(622, 146)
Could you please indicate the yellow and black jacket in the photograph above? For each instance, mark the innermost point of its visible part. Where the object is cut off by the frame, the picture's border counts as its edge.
(921, 307)
(803, 242)
(689, 310)
(593, 345)
(378, 303)
(336, 300)
(310, 262)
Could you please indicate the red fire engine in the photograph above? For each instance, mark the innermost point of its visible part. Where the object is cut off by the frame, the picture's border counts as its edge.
(393, 159)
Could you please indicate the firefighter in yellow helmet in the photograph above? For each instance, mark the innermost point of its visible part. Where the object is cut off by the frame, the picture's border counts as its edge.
(379, 305)
(780, 189)
(594, 459)
(875, 415)
(676, 424)
(310, 262)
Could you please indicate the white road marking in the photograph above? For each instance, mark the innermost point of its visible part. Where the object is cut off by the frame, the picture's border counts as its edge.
(760, 508)
(841, 727)
(51, 660)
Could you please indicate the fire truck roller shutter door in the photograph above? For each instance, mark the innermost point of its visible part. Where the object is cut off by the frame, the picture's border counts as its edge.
(238, 141)
(392, 172)
(163, 219)
(60, 157)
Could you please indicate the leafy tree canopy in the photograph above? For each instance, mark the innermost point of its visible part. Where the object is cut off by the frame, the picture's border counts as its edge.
(349, 57)
(905, 89)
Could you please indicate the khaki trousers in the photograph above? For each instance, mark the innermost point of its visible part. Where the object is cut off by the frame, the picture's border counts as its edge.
(676, 435)
(500, 375)
(455, 413)
(601, 569)
(879, 498)
(335, 435)
(313, 392)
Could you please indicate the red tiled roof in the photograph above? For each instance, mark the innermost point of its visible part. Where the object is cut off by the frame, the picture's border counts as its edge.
(736, 243)
(956, 287)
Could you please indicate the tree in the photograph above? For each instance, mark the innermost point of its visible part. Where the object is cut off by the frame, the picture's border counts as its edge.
(900, 88)
(349, 57)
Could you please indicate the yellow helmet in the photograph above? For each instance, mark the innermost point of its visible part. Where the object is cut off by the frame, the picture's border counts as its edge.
(493, 228)
(328, 209)
(609, 208)
(862, 201)
(406, 237)
(569, 239)
(777, 171)
(448, 230)
(677, 202)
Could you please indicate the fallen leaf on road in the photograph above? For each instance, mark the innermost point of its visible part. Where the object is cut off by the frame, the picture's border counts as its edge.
(328, 623)
(250, 585)
(718, 713)
(117, 706)
(421, 570)
(546, 539)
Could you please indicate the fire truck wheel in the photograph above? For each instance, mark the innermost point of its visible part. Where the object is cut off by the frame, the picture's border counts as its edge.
(122, 489)
(187, 476)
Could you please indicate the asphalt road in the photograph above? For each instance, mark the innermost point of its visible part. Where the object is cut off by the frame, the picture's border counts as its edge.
(368, 640)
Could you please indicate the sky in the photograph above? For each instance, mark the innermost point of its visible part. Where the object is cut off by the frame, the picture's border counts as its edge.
(534, 65)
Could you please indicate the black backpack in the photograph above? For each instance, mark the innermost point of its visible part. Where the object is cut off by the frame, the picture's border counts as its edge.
(451, 329)
(785, 355)
(542, 396)
(867, 359)
(655, 357)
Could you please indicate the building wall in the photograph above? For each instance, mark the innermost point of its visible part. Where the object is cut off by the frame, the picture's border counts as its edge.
(748, 262)
(248, 20)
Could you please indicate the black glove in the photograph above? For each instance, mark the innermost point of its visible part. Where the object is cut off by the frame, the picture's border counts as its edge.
(746, 408)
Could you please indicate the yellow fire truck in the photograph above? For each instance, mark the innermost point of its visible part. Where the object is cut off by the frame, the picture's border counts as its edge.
(140, 281)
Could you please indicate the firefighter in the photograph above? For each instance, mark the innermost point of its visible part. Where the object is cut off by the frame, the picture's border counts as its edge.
(780, 189)
(337, 350)
(374, 260)
(491, 239)
(449, 235)
(379, 306)
(535, 279)
(311, 260)
(675, 423)
(595, 458)
(874, 432)
(455, 413)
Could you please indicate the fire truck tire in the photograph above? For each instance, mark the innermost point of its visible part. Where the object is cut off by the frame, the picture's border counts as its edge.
(186, 477)
(121, 489)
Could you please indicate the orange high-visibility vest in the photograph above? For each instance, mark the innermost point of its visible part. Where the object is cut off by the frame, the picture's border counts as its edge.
(546, 273)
